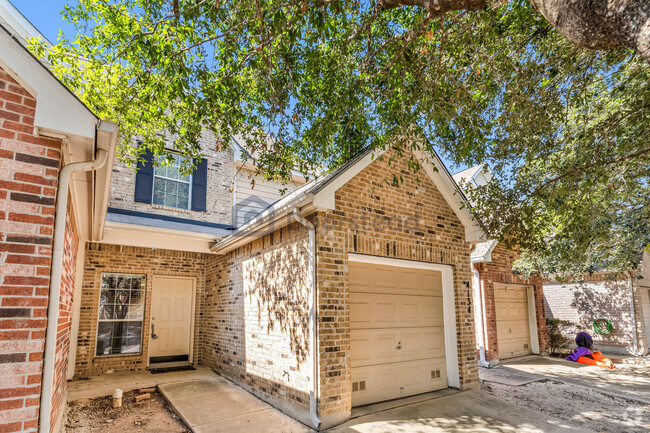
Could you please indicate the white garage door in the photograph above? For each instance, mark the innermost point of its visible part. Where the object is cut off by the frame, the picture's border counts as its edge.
(396, 332)
(513, 329)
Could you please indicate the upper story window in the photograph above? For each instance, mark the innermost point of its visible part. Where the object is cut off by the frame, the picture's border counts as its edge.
(166, 186)
(170, 187)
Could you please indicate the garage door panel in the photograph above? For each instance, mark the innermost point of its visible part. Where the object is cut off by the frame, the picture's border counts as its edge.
(513, 328)
(397, 333)
(384, 311)
(370, 278)
(374, 347)
(390, 381)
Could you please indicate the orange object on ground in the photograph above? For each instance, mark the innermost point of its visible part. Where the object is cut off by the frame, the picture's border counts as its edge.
(598, 360)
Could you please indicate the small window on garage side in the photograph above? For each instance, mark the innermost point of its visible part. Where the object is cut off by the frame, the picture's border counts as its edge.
(121, 314)
(170, 187)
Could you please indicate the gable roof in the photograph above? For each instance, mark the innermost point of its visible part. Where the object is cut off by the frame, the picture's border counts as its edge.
(319, 195)
(61, 115)
(483, 251)
(468, 174)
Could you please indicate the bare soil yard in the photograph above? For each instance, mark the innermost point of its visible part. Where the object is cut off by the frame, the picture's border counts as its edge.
(97, 415)
(577, 405)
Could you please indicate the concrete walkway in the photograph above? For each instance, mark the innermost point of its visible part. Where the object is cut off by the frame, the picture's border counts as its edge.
(214, 404)
(611, 382)
(469, 411)
(101, 386)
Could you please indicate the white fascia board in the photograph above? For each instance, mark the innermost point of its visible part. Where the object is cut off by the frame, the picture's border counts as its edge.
(449, 190)
(153, 237)
(57, 109)
(107, 137)
(12, 17)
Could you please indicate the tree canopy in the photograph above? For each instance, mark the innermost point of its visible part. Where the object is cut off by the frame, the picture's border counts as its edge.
(565, 129)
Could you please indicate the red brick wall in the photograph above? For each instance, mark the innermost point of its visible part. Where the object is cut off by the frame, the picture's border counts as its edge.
(29, 169)
(68, 272)
(499, 270)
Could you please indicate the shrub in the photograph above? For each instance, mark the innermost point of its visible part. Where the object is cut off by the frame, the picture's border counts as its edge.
(560, 334)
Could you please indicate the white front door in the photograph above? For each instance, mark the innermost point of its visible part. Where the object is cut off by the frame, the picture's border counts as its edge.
(171, 319)
(396, 332)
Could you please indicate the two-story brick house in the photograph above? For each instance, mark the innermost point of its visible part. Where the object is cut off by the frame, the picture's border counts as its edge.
(340, 292)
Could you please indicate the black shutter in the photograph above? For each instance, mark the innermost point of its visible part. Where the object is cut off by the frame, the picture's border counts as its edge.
(144, 178)
(199, 184)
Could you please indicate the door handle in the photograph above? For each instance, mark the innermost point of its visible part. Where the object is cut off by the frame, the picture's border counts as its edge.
(399, 345)
(153, 333)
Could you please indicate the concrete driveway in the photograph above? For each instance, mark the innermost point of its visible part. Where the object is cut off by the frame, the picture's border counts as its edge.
(612, 382)
(469, 411)
(215, 404)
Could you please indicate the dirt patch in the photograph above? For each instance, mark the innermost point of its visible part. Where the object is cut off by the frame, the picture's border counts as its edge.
(99, 415)
(580, 406)
(631, 370)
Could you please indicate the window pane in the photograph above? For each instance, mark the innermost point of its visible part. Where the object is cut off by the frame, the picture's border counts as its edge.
(121, 311)
(114, 338)
(183, 195)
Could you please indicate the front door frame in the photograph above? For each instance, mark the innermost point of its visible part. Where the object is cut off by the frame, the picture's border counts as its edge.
(448, 305)
(192, 312)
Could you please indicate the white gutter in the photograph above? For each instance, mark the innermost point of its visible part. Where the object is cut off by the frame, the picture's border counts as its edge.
(101, 157)
(313, 320)
(481, 313)
(635, 338)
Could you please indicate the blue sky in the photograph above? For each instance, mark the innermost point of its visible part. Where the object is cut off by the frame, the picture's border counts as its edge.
(45, 15)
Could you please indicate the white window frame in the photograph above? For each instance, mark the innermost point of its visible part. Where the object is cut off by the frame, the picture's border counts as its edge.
(100, 320)
(165, 178)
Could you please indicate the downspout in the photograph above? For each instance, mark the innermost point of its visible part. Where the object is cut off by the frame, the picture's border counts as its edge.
(47, 387)
(481, 332)
(635, 341)
(313, 319)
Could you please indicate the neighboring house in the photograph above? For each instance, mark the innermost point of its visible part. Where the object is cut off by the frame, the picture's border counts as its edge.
(625, 302)
(509, 309)
(49, 207)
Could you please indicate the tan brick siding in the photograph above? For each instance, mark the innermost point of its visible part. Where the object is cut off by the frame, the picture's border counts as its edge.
(409, 221)
(219, 187)
(499, 270)
(29, 168)
(132, 260)
(256, 315)
(239, 349)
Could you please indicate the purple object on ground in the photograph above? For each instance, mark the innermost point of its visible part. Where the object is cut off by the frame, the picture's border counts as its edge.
(580, 351)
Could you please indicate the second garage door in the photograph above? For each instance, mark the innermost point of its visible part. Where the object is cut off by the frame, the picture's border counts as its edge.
(396, 332)
(513, 329)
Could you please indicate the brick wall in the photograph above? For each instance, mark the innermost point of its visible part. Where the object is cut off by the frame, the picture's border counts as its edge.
(499, 270)
(219, 194)
(68, 273)
(256, 316)
(132, 260)
(246, 329)
(433, 233)
(597, 296)
(29, 169)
